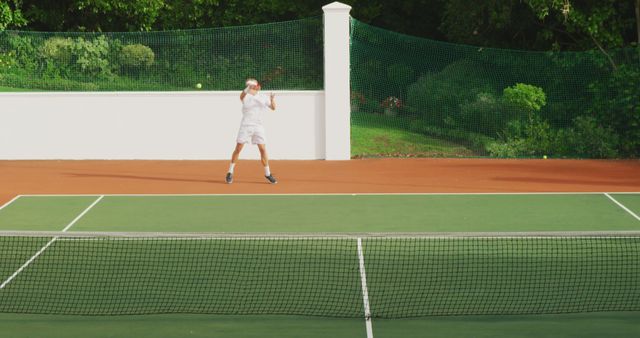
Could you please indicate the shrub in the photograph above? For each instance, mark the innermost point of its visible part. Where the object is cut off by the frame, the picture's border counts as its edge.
(588, 139)
(526, 97)
(483, 114)
(525, 139)
(24, 51)
(511, 149)
(617, 106)
(437, 96)
(58, 50)
(136, 56)
(91, 56)
(7, 61)
(399, 75)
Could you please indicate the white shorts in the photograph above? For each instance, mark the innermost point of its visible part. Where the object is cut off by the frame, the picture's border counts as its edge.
(253, 134)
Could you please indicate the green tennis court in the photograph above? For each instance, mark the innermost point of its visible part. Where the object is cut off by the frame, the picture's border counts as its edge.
(326, 213)
(322, 281)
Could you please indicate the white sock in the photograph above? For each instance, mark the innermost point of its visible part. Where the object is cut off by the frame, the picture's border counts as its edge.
(231, 166)
(267, 172)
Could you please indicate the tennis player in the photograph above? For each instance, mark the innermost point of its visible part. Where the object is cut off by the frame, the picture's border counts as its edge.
(254, 104)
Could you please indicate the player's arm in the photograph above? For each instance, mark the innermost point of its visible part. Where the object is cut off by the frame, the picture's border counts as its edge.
(244, 93)
(272, 104)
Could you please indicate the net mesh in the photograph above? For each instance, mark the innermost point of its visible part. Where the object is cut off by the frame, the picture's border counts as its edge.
(284, 55)
(407, 276)
(417, 97)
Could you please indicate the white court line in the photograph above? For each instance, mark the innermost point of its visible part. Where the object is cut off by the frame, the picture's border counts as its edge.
(341, 194)
(27, 263)
(622, 206)
(365, 292)
(7, 204)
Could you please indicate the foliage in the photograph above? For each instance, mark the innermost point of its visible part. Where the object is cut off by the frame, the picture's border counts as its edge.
(437, 96)
(535, 138)
(488, 23)
(526, 97)
(600, 22)
(11, 15)
(617, 106)
(588, 139)
(24, 51)
(91, 56)
(136, 56)
(483, 114)
(58, 50)
(532, 138)
(92, 15)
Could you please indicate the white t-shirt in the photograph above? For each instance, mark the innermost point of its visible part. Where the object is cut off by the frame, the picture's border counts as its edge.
(253, 107)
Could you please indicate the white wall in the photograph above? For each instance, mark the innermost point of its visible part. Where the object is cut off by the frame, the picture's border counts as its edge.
(166, 125)
(183, 125)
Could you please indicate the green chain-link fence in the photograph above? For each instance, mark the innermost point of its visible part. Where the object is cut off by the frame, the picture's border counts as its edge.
(456, 100)
(284, 55)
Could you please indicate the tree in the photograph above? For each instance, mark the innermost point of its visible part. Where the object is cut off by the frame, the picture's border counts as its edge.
(602, 24)
(11, 15)
(92, 15)
(109, 15)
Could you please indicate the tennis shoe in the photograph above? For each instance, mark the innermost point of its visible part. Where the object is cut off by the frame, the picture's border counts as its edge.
(229, 178)
(271, 179)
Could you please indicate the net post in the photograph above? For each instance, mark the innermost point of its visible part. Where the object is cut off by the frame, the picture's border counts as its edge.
(336, 81)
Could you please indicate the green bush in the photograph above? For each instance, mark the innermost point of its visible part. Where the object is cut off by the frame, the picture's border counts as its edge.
(588, 139)
(437, 96)
(58, 50)
(617, 106)
(511, 149)
(531, 138)
(7, 61)
(136, 56)
(399, 76)
(525, 97)
(24, 51)
(484, 114)
(91, 56)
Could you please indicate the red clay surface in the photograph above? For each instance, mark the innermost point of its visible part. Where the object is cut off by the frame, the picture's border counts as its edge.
(355, 176)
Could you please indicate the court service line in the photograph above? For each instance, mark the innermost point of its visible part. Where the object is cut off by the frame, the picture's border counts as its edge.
(622, 206)
(12, 200)
(365, 291)
(46, 246)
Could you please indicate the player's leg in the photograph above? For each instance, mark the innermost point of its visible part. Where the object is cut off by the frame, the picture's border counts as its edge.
(264, 158)
(236, 153)
(243, 137)
(232, 165)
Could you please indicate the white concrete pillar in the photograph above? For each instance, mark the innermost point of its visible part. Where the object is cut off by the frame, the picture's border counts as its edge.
(336, 81)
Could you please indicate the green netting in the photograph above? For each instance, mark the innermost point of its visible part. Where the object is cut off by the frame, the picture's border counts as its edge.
(417, 97)
(285, 55)
(409, 275)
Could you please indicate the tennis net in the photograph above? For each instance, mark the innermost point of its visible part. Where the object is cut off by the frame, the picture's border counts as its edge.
(407, 275)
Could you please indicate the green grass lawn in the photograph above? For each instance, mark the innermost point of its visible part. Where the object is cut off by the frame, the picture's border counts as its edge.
(375, 135)
(11, 89)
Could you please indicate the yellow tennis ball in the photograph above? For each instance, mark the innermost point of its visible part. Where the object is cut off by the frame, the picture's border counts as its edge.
(198, 85)
(545, 157)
